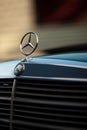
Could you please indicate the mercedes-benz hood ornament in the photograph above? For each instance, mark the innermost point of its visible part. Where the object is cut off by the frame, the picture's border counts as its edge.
(29, 43)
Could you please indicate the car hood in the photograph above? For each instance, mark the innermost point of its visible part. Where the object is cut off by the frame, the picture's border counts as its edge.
(59, 65)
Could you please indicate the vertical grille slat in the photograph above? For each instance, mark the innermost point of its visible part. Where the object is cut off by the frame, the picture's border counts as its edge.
(50, 105)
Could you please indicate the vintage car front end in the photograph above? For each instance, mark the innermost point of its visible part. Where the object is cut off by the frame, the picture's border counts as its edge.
(47, 92)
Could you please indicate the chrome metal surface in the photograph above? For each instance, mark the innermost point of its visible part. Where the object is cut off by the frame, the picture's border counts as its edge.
(28, 47)
(19, 69)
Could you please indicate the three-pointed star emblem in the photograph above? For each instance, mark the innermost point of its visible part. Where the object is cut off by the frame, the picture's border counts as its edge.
(33, 46)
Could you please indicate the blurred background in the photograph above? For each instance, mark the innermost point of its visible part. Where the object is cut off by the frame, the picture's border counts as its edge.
(60, 24)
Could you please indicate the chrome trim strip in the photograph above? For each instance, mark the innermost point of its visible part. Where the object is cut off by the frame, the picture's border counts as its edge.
(55, 78)
(12, 104)
(73, 66)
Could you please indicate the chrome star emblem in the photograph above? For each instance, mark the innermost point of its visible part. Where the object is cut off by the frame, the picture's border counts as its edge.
(28, 43)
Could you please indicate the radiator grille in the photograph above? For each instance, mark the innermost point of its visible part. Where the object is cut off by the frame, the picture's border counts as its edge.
(50, 105)
(5, 100)
(40, 104)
